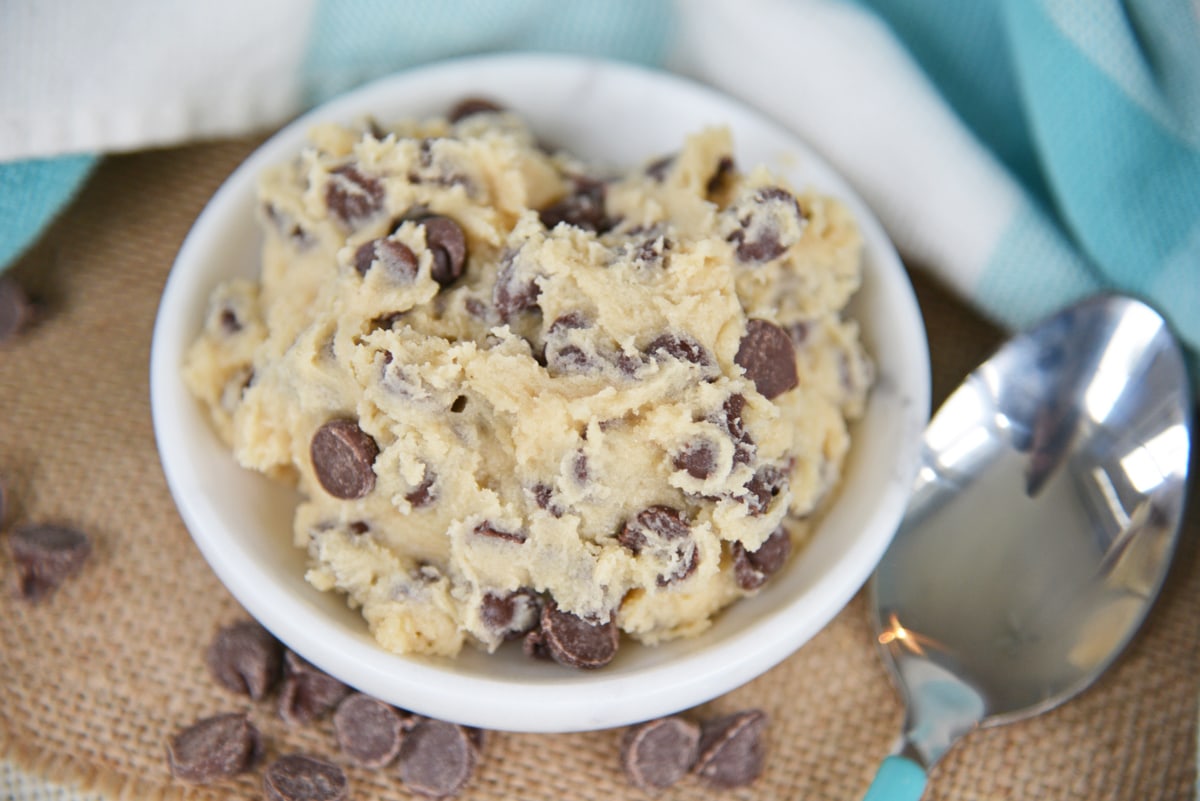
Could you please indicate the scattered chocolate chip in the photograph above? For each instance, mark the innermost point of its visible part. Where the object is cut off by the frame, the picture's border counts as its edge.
(470, 106)
(387, 322)
(446, 241)
(659, 168)
(543, 495)
(476, 308)
(16, 309)
(359, 527)
(582, 208)
(579, 467)
(719, 180)
(683, 348)
(564, 359)
(767, 355)
(368, 730)
(214, 748)
(535, 647)
(574, 642)
(764, 486)
(731, 421)
(353, 196)
(393, 256)
(662, 530)
(511, 615)
(513, 292)
(45, 556)
(299, 777)
(437, 758)
(229, 322)
(753, 568)
(307, 693)
(799, 332)
(459, 404)
(424, 494)
(732, 749)
(487, 529)
(287, 227)
(244, 657)
(343, 458)
(761, 238)
(698, 458)
(658, 753)
(568, 322)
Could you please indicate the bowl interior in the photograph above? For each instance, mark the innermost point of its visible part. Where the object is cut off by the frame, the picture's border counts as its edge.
(608, 113)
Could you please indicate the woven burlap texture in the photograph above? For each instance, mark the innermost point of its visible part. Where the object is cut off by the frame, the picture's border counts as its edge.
(94, 680)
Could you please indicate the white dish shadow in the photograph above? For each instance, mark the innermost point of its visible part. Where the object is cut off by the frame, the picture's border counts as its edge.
(614, 114)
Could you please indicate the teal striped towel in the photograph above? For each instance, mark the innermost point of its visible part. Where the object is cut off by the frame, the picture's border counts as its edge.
(1027, 152)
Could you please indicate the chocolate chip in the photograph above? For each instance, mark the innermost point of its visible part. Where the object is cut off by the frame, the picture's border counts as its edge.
(358, 527)
(543, 496)
(663, 531)
(470, 106)
(698, 458)
(733, 749)
(680, 347)
(731, 421)
(761, 237)
(45, 556)
(368, 730)
(423, 495)
(513, 292)
(767, 355)
(753, 568)
(245, 658)
(512, 614)
(719, 180)
(214, 748)
(582, 208)
(572, 641)
(459, 404)
(659, 168)
(487, 529)
(343, 458)
(16, 309)
(446, 241)
(299, 777)
(353, 196)
(765, 485)
(570, 321)
(437, 758)
(566, 359)
(658, 753)
(287, 227)
(229, 322)
(579, 467)
(307, 693)
(394, 257)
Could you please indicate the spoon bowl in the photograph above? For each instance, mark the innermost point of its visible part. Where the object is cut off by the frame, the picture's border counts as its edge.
(1043, 518)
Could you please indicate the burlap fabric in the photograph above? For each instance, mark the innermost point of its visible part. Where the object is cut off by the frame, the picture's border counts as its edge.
(92, 682)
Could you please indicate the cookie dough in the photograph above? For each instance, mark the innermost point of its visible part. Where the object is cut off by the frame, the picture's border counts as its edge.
(523, 397)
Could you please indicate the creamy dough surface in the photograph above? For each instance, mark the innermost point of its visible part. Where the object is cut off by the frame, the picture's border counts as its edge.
(523, 397)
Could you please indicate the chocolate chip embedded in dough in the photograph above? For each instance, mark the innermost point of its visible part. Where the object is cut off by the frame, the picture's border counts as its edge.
(489, 529)
(307, 692)
(437, 758)
(300, 777)
(513, 292)
(368, 730)
(394, 257)
(664, 531)
(658, 753)
(582, 208)
(767, 355)
(214, 748)
(424, 494)
(470, 106)
(681, 347)
(751, 569)
(510, 615)
(719, 180)
(16, 309)
(446, 241)
(353, 196)
(731, 420)
(45, 556)
(760, 237)
(574, 642)
(660, 167)
(698, 458)
(763, 487)
(733, 749)
(343, 458)
(246, 658)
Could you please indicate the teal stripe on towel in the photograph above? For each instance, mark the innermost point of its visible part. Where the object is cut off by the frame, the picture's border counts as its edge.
(31, 195)
(354, 42)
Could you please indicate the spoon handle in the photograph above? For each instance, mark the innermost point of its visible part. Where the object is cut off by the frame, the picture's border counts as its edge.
(898, 779)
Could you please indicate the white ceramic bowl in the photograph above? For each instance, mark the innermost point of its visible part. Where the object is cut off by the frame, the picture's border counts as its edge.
(610, 113)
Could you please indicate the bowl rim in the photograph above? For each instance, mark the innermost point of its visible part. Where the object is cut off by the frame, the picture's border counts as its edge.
(591, 700)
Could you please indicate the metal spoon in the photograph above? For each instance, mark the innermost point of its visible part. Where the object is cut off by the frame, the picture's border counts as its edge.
(1043, 518)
